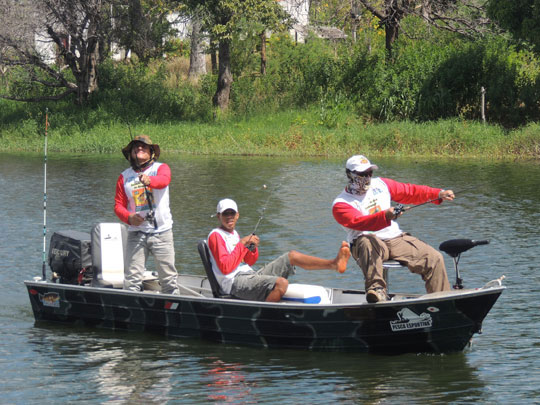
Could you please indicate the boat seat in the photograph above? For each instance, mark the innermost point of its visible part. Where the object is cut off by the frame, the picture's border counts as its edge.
(204, 252)
(108, 256)
(108, 241)
(387, 265)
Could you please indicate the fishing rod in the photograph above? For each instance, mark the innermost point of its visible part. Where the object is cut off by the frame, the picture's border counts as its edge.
(400, 208)
(151, 215)
(251, 246)
(44, 269)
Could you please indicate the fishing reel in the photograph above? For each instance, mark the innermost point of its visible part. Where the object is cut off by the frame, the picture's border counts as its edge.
(151, 218)
(251, 247)
(398, 210)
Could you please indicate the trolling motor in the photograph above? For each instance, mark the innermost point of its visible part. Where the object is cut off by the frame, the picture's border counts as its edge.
(454, 248)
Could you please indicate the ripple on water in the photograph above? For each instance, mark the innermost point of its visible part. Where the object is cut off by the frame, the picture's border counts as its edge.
(65, 365)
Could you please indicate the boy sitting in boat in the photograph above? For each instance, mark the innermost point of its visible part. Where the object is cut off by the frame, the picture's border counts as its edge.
(232, 258)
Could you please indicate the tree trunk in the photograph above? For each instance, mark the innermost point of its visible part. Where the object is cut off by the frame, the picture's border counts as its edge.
(221, 98)
(394, 14)
(213, 61)
(263, 53)
(213, 55)
(139, 31)
(392, 31)
(197, 57)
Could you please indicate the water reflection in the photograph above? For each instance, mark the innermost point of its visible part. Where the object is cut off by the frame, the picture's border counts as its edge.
(134, 368)
(228, 384)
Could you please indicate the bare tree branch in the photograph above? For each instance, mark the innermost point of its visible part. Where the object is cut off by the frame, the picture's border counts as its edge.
(75, 29)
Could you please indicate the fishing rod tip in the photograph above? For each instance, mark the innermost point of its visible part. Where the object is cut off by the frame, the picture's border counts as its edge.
(264, 186)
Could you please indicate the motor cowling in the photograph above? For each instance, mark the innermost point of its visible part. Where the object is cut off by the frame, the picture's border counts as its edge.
(69, 255)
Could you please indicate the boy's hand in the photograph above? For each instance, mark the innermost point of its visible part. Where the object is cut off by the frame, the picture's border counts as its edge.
(250, 240)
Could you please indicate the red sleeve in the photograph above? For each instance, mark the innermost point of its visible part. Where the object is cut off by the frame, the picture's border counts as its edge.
(228, 262)
(121, 201)
(163, 177)
(406, 193)
(350, 217)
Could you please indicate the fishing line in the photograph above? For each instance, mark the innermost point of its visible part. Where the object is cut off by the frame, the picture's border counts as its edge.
(44, 269)
(265, 205)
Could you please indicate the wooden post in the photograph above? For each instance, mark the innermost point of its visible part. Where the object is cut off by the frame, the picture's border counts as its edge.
(483, 111)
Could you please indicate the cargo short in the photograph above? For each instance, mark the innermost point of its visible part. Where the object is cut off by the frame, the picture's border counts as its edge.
(256, 285)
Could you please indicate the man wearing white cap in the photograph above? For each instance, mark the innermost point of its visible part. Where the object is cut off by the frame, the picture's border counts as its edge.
(232, 258)
(364, 210)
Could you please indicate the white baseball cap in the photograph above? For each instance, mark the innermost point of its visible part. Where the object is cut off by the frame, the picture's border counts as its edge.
(359, 163)
(226, 204)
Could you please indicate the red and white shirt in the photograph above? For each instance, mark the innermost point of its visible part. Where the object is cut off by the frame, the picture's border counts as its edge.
(131, 198)
(229, 257)
(364, 213)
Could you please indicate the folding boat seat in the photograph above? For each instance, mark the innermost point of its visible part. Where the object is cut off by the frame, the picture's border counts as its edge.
(387, 265)
(202, 247)
(108, 254)
(310, 294)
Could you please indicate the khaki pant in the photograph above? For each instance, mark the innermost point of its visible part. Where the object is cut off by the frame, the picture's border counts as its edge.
(258, 284)
(369, 252)
(139, 246)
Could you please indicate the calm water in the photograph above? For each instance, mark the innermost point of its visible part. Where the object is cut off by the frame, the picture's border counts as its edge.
(51, 363)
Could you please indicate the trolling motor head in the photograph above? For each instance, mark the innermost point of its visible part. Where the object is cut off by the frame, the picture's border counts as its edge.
(454, 248)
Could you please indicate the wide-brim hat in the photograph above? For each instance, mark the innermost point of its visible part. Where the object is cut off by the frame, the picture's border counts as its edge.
(144, 139)
(359, 163)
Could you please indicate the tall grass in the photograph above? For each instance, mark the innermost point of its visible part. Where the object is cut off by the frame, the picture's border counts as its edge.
(292, 133)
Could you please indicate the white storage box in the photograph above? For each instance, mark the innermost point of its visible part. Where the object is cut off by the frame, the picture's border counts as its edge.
(307, 294)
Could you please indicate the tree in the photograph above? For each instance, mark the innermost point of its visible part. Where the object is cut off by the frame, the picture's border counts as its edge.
(466, 17)
(520, 17)
(224, 19)
(197, 58)
(142, 26)
(75, 27)
(80, 33)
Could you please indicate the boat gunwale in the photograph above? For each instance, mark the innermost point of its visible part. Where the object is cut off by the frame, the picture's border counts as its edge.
(414, 300)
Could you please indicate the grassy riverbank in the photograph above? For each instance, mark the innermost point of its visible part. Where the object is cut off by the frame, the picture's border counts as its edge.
(294, 133)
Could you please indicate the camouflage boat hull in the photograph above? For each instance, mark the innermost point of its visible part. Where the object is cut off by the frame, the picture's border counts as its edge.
(438, 323)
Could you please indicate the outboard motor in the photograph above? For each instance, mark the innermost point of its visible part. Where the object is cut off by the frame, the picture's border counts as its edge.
(70, 257)
(454, 248)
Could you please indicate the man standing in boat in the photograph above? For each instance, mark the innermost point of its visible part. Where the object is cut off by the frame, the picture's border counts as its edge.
(232, 258)
(364, 210)
(142, 202)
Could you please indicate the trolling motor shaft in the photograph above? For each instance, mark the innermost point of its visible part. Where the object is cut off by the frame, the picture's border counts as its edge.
(454, 248)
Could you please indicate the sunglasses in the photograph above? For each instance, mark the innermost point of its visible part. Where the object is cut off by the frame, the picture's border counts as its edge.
(228, 212)
(368, 173)
(138, 144)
